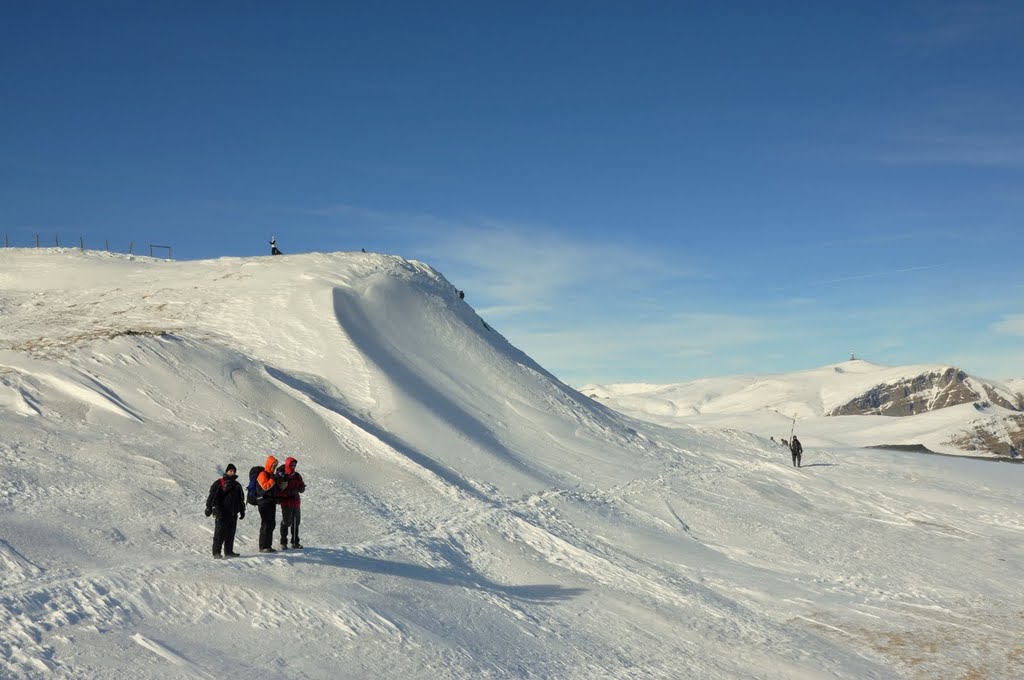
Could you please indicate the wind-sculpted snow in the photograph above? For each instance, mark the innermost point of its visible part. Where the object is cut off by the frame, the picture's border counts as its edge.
(467, 515)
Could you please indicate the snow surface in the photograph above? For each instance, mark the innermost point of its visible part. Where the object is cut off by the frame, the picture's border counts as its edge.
(467, 514)
(771, 405)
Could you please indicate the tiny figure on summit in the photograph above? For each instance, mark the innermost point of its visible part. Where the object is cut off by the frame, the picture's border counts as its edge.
(273, 246)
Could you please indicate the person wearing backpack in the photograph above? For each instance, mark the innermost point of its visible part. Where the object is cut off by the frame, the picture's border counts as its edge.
(290, 503)
(226, 504)
(266, 492)
(797, 449)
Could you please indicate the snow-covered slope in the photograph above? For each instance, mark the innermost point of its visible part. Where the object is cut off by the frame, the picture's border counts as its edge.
(467, 515)
(846, 404)
(1016, 385)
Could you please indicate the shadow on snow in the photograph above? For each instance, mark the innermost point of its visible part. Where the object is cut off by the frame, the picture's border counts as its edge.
(541, 594)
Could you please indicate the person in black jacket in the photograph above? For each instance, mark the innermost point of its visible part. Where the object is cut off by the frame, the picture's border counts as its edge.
(796, 448)
(226, 503)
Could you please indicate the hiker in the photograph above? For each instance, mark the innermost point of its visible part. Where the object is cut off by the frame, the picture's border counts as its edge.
(273, 246)
(796, 448)
(291, 502)
(227, 505)
(266, 500)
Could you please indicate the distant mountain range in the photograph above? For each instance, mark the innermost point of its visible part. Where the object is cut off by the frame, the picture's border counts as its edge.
(940, 407)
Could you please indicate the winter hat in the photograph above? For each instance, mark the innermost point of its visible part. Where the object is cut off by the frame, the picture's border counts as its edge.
(230, 468)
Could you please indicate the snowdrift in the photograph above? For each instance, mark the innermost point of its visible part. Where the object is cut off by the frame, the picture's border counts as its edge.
(467, 514)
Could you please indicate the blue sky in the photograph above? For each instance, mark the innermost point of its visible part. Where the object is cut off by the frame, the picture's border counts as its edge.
(628, 191)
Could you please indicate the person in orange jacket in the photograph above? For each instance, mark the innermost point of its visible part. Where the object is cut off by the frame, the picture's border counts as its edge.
(266, 502)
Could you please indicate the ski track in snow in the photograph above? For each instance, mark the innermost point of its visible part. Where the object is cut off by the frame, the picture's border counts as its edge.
(511, 530)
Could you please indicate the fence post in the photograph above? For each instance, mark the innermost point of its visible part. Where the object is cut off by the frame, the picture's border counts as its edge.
(130, 244)
(81, 242)
(107, 242)
(37, 240)
(5, 241)
(56, 240)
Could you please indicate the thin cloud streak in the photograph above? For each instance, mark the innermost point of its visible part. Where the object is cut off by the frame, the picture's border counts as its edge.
(978, 150)
(875, 275)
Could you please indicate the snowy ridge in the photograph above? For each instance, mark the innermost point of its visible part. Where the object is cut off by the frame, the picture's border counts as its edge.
(809, 393)
(467, 514)
(946, 405)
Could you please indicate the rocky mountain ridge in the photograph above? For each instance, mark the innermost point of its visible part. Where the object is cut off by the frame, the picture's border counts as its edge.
(928, 391)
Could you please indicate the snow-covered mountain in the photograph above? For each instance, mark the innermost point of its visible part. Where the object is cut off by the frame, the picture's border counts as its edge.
(928, 390)
(467, 514)
(1016, 385)
(940, 407)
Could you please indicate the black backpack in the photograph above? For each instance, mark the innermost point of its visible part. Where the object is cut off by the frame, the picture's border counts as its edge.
(254, 490)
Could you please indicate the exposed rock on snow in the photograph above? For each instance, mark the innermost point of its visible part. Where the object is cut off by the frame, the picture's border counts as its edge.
(925, 392)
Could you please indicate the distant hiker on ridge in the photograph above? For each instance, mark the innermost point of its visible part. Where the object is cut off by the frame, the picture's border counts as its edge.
(227, 504)
(273, 246)
(796, 448)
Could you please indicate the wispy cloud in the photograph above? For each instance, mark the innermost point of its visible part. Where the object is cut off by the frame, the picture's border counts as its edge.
(520, 267)
(615, 350)
(513, 269)
(593, 311)
(1011, 324)
(944, 25)
(875, 275)
(990, 150)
